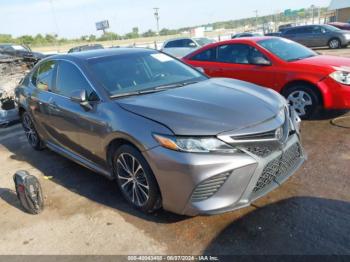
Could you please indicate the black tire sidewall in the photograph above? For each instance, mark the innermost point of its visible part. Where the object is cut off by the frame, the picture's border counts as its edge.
(154, 200)
(311, 110)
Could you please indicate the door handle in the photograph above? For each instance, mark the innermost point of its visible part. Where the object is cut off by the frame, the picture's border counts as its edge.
(54, 107)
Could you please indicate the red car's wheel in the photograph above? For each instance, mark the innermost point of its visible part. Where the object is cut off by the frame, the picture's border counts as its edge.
(303, 99)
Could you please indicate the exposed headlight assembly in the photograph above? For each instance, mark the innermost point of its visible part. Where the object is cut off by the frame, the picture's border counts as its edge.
(194, 144)
(342, 77)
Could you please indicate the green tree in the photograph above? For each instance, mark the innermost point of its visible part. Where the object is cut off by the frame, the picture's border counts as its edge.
(4, 38)
(149, 33)
(26, 39)
(109, 36)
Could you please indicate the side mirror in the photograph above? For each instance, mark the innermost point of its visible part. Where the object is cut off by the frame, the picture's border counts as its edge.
(200, 69)
(192, 45)
(80, 96)
(260, 61)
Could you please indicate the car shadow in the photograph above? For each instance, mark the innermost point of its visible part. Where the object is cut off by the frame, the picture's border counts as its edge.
(328, 114)
(298, 225)
(79, 180)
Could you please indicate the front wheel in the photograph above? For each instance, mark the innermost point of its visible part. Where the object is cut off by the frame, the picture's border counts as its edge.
(303, 99)
(135, 179)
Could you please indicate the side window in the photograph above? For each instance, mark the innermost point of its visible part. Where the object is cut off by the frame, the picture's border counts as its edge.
(69, 79)
(256, 57)
(180, 43)
(293, 31)
(206, 55)
(188, 43)
(316, 30)
(43, 76)
(175, 43)
(236, 53)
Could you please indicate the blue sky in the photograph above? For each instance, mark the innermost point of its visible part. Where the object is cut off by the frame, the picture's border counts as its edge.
(77, 17)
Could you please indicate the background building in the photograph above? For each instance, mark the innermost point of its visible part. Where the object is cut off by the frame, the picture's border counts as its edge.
(339, 11)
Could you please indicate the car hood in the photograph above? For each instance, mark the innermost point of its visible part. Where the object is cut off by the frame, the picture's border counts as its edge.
(207, 108)
(326, 63)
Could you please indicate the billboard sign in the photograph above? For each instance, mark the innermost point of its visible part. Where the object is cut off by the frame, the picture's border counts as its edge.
(102, 25)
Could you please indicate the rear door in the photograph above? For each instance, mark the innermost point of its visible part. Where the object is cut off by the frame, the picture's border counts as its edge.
(39, 98)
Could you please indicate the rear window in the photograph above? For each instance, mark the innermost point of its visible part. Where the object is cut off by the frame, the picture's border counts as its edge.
(206, 55)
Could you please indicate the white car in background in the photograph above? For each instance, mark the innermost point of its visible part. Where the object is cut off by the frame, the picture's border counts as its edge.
(180, 47)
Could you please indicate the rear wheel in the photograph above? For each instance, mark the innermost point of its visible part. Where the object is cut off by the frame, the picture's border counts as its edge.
(31, 133)
(334, 43)
(135, 179)
(303, 99)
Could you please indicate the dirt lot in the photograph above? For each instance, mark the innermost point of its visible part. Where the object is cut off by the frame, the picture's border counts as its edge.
(85, 213)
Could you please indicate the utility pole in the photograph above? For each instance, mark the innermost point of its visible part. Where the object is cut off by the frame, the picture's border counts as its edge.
(319, 15)
(156, 16)
(55, 22)
(256, 19)
(313, 13)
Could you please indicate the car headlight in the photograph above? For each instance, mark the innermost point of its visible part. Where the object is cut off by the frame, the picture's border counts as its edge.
(194, 144)
(342, 77)
(347, 36)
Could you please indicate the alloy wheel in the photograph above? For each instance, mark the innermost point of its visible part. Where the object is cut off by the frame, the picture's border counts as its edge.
(29, 130)
(334, 44)
(132, 179)
(299, 100)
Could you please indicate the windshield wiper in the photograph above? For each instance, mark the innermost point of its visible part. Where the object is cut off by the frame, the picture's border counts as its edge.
(141, 92)
(175, 85)
(300, 58)
(154, 90)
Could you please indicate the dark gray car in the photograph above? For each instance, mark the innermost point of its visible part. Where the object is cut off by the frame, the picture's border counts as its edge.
(318, 36)
(166, 133)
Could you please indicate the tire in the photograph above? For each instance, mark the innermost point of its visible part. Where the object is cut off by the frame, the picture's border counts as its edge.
(32, 135)
(303, 99)
(135, 179)
(334, 43)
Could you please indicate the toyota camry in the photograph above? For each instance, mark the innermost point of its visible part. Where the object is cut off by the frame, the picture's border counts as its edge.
(168, 135)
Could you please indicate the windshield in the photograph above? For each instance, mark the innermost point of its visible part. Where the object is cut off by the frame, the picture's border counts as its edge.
(19, 48)
(141, 72)
(203, 41)
(331, 28)
(286, 49)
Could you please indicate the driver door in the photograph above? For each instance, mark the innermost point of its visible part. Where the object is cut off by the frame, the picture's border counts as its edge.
(73, 126)
(235, 61)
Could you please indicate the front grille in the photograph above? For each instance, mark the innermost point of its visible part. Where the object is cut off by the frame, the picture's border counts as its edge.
(259, 150)
(209, 187)
(260, 136)
(279, 167)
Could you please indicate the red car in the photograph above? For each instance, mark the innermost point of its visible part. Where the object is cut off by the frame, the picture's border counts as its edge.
(342, 26)
(308, 80)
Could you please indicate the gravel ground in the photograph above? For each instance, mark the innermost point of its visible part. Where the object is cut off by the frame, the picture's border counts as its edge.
(85, 213)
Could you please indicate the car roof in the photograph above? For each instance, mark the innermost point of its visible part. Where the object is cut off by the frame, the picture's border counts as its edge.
(241, 40)
(246, 39)
(179, 38)
(100, 53)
